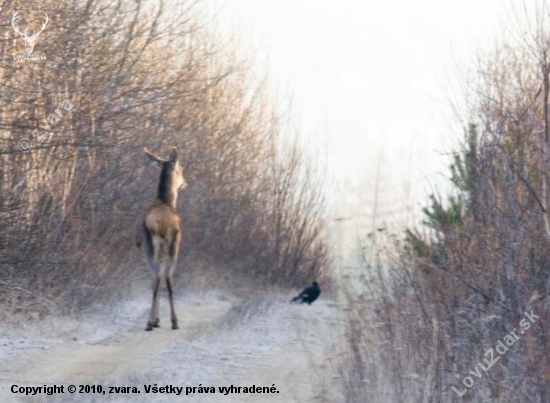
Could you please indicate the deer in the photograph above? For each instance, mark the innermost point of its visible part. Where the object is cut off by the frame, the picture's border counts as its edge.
(30, 40)
(159, 232)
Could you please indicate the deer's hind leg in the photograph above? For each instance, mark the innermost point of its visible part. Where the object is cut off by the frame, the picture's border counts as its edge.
(148, 250)
(153, 316)
(173, 256)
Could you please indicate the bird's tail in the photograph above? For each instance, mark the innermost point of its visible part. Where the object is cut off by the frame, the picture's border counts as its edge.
(295, 299)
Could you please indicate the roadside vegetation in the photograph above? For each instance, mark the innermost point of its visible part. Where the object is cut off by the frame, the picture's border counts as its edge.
(145, 74)
(438, 298)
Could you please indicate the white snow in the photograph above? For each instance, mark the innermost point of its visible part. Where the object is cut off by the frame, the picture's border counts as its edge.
(222, 341)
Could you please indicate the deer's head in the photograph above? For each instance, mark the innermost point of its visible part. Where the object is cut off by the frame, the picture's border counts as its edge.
(30, 40)
(171, 175)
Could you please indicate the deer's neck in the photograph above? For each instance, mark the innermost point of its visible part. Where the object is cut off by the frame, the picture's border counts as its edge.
(166, 192)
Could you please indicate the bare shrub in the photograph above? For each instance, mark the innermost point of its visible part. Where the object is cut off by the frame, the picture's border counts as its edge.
(442, 298)
(144, 73)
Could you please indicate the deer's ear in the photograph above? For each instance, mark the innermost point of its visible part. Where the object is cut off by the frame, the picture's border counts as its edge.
(155, 161)
(174, 155)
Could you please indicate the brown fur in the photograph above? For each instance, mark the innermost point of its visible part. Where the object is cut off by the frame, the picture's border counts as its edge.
(159, 232)
(162, 219)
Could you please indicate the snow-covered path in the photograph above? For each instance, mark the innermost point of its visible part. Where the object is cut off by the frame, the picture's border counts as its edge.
(217, 345)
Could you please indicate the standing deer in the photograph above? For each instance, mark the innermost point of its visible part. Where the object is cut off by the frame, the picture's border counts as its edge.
(159, 233)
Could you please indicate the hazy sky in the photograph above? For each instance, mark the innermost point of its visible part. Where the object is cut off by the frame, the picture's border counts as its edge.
(368, 74)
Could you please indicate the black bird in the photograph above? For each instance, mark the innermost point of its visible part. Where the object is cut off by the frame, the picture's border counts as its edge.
(309, 295)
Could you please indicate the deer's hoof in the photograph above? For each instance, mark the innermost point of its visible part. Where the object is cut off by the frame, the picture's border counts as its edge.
(175, 326)
(156, 323)
(149, 327)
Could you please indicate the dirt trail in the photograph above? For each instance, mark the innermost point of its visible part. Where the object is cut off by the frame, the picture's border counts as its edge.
(114, 357)
(263, 351)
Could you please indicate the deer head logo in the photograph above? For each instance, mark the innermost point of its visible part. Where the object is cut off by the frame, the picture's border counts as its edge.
(30, 40)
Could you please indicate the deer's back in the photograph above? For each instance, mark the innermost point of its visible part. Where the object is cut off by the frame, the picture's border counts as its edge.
(161, 219)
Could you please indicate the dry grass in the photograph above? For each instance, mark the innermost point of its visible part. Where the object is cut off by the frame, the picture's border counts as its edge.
(254, 206)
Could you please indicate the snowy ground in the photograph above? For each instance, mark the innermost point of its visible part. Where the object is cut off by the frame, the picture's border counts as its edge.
(222, 341)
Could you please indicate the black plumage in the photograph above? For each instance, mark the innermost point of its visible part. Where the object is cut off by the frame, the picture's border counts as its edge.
(309, 295)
